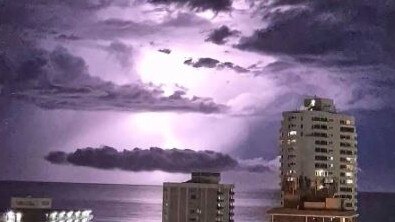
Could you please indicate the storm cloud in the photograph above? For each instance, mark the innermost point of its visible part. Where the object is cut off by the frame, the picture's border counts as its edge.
(219, 36)
(213, 63)
(168, 160)
(121, 52)
(351, 32)
(60, 80)
(199, 5)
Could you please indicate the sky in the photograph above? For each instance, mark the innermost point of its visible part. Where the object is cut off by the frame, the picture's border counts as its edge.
(174, 85)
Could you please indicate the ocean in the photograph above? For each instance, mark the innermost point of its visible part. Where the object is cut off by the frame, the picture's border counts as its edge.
(128, 203)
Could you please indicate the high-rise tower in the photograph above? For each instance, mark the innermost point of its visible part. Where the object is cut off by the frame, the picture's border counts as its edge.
(318, 149)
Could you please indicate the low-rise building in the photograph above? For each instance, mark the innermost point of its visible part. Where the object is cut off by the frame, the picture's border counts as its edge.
(201, 199)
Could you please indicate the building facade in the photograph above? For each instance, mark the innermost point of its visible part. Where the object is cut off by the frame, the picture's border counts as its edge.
(201, 199)
(318, 149)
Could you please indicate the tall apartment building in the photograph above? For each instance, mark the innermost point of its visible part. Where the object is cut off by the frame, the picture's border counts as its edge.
(318, 149)
(201, 199)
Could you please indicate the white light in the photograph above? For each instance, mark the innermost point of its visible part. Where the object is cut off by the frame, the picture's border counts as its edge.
(290, 179)
(312, 103)
(62, 214)
(348, 174)
(53, 215)
(10, 216)
(69, 214)
(18, 217)
(292, 133)
(349, 181)
(320, 173)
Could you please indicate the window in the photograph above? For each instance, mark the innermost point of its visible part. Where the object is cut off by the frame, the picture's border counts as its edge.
(345, 122)
(347, 129)
(321, 150)
(345, 137)
(292, 133)
(320, 119)
(321, 173)
(291, 156)
(291, 179)
(319, 126)
(344, 144)
(346, 167)
(349, 181)
(321, 166)
(321, 142)
(321, 158)
(345, 189)
(346, 152)
(318, 134)
(348, 174)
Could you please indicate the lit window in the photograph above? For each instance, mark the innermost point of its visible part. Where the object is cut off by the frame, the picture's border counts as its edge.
(312, 103)
(331, 158)
(292, 133)
(348, 122)
(320, 173)
(348, 174)
(349, 181)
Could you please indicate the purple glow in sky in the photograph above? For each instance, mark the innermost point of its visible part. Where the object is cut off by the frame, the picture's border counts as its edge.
(194, 74)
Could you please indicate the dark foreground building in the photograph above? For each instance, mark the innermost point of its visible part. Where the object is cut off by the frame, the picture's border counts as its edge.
(40, 210)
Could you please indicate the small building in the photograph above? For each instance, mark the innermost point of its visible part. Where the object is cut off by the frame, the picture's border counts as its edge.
(201, 199)
(29, 209)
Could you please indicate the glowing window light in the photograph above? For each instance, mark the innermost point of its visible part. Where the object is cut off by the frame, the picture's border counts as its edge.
(18, 216)
(10, 216)
(349, 181)
(292, 133)
(320, 173)
(312, 102)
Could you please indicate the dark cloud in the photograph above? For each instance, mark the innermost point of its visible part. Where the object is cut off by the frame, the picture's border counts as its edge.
(122, 52)
(173, 160)
(202, 62)
(115, 28)
(220, 35)
(199, 5)
(66, 37)
(60, 80)
(183, 19)
(356, 31)
(166, 51)
(213, 63)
